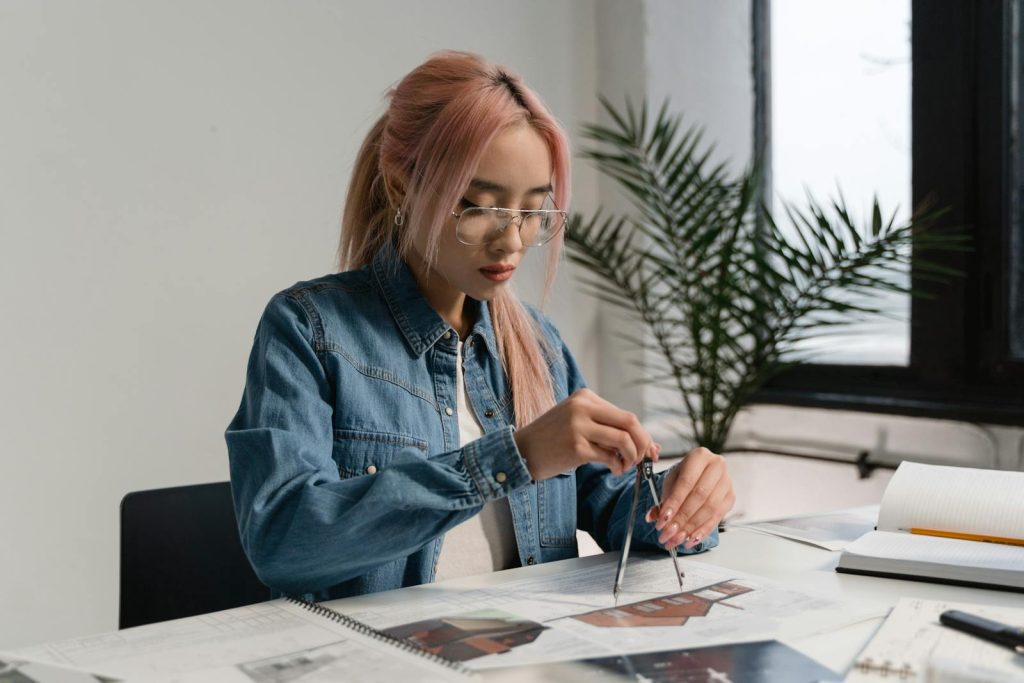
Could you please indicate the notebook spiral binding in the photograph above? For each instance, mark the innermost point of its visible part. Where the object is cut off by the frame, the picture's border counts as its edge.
(369, 631)
(885, 669)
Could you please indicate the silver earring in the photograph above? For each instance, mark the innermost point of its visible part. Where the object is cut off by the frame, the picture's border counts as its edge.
(398, 218)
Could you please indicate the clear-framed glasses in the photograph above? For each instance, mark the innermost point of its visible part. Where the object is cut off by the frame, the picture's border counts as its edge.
(479, 225)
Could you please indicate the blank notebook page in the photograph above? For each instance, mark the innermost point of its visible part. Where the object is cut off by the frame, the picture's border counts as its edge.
(962, 499)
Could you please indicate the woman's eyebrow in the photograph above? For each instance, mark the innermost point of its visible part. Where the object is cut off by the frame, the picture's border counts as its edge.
(489, 186)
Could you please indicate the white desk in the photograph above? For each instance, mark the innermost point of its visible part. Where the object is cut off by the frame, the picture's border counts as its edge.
(742, 550)
(753, 552)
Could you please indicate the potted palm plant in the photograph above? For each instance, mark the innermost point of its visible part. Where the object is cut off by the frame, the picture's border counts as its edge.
(725, 294)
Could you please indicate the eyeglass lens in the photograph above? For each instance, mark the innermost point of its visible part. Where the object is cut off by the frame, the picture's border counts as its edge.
(481, 225)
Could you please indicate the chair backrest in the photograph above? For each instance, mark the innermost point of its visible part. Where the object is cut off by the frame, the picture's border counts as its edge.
(180, 555)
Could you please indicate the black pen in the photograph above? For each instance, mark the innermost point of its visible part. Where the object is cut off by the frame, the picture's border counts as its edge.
(992, 631)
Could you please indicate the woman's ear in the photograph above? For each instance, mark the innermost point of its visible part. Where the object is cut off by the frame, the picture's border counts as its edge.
(394, 188)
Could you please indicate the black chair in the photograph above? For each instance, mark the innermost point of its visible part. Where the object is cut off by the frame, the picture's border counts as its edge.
(180, 555)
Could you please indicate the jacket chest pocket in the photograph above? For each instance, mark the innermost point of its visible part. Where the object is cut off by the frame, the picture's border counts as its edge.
(359, 452)
(557, 507)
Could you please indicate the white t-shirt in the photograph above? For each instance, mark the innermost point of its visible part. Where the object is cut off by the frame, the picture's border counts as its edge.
(485, 542)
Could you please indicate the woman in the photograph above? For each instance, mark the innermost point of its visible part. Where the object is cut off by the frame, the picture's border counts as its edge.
(409, 419)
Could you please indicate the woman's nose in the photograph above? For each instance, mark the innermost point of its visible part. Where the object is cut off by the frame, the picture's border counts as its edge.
(509, 239)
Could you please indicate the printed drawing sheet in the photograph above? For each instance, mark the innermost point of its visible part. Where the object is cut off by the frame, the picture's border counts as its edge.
(831, 531)
(912, 640)
(263, 643)
(573, 615)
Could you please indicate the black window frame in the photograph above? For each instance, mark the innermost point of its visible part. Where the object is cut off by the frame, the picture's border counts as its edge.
(963, 158)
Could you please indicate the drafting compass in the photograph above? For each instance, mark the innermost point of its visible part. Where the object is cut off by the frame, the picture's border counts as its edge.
(644, 473)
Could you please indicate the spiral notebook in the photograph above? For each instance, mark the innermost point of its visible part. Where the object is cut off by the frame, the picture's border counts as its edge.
(911, 645)
(280, 640)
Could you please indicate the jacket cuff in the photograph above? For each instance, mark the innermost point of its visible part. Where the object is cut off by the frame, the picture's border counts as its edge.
(707, 544)
(495, 465)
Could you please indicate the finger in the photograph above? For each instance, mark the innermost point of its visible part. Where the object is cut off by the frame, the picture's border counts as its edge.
(607, 414)
(702, 532)
(689, 539)
(585, 451)
(613, 459)
(652, 514)
(705, 488)
(613, 439)
(694, 530)
(688, 473)
(669, 534)
(719, 502)
(705, 520)
(667, 486)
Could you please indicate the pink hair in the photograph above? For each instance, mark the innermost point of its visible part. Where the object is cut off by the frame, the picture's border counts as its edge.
(419, 158)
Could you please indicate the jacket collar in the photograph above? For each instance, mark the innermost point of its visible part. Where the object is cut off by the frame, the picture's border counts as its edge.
(419, 323)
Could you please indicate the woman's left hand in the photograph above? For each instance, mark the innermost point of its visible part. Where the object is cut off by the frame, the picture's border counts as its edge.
(696, 495)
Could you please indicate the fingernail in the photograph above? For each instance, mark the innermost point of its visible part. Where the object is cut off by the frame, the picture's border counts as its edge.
(692, 542)
(667, 514)
(668, 533)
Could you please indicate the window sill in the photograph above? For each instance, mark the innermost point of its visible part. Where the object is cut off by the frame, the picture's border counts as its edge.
(995, 408)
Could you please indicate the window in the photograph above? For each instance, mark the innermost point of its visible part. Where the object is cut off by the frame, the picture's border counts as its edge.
(966, 346)
(841, 122)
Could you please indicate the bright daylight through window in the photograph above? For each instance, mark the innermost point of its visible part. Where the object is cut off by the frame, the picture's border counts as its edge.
(840, 121)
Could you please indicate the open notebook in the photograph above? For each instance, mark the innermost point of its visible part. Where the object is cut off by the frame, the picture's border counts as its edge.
(933, 523)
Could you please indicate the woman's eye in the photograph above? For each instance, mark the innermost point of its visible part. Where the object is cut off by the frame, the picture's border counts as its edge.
(466, 204)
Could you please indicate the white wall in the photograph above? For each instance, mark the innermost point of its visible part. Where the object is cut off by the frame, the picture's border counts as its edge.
(166, 167)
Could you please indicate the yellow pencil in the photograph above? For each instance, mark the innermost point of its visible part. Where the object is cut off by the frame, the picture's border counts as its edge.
(967, 537)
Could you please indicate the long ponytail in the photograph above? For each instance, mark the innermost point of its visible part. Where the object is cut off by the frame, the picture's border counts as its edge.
(364, 224)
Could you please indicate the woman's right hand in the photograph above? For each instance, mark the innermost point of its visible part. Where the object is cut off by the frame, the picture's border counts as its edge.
(583, 428)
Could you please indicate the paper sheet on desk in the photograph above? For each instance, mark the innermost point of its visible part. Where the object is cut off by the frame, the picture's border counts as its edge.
(577, 616)
(17, 669)
(265, 642)
(831, 530)
(912, 637)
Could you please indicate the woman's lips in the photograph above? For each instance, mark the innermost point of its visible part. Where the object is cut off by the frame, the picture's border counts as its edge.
(498, 273)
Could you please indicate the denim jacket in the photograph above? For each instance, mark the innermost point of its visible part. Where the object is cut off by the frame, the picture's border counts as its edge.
(345, 461)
